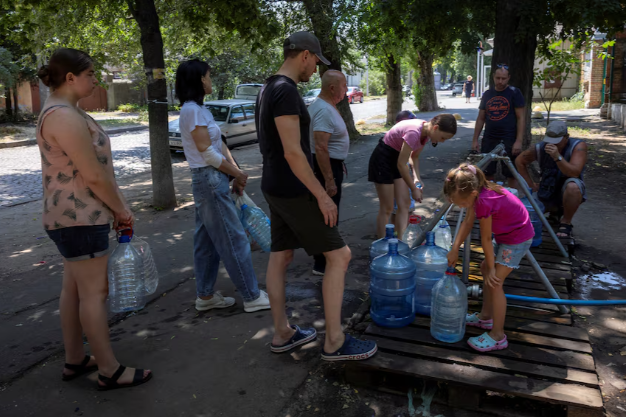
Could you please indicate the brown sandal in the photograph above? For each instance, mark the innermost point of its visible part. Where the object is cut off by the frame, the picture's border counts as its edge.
(111, 383)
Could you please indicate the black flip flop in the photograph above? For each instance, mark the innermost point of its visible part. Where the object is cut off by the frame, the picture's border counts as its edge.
(80, 369)
(111, 383)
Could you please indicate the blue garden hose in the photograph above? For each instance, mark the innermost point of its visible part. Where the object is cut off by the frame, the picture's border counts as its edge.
(566, 302)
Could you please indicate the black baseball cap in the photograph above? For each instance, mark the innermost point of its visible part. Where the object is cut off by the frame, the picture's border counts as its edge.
(305, 41)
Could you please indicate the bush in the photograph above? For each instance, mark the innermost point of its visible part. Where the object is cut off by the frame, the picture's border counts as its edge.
(128, 108)
(378, 83)
(579, 96)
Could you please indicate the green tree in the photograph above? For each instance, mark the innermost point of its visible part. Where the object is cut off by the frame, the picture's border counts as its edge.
(522, 26)
(561, 62)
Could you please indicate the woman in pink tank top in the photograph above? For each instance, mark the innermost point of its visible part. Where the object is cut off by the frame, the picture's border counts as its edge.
(80, 201)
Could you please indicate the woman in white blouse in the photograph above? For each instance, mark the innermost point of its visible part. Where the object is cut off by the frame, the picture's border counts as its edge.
(219, 234)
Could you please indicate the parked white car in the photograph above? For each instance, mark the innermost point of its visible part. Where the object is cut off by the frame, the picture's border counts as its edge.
(234, 117)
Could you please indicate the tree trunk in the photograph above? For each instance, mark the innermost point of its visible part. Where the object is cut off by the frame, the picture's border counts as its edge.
(426, 100)
(7, 103)
(220, 93)
(16, 108)
(517, 50)
(321, 14)
(144, 12)
(394, 89)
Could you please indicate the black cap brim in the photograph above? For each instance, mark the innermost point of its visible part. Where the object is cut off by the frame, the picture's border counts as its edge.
(323, 59)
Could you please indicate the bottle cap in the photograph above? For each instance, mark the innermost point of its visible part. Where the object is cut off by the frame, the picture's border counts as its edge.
(244, 206)
(125, 235)
(451, 271)
(413, 219)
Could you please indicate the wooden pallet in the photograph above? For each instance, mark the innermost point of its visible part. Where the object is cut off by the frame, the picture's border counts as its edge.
(548, 360)
(545, 362)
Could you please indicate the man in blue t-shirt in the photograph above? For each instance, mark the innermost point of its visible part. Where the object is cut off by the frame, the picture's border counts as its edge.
(502, 110)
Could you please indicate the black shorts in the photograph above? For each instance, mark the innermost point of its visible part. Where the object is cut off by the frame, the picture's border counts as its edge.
(487, 145)
(383, 166)
(79, 243)
(297, 222)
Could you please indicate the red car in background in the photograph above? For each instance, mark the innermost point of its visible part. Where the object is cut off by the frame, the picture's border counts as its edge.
(355, 95)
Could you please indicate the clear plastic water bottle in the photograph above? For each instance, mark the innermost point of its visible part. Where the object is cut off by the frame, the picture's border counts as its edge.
(381, 246)
(392, 288)
(151, 276)
(535, 220)
(431, 262)
(449, 300)
(257, 224)
(443, 235)
(126, 277)
(413, 230)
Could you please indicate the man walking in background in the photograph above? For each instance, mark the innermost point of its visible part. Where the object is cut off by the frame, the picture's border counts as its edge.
(502, 110)
(330, 143)
(301, 211)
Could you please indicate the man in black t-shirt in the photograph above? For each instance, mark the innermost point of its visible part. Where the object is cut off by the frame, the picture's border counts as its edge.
(302, 214)
(502, 110)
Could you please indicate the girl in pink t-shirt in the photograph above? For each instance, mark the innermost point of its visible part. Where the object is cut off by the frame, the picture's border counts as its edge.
(388, 165)
(503, 215)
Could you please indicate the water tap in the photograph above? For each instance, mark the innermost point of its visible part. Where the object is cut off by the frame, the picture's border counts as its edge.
(474, 291)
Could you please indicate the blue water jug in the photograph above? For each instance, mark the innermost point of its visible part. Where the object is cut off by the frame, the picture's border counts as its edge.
(392, 288)
(126, 276)
(257, 224)
(534, 219)
(431, 262)
(381, 246)
(449, 300)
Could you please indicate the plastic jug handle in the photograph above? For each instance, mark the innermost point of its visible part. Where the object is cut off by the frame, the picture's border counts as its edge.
(128, 231)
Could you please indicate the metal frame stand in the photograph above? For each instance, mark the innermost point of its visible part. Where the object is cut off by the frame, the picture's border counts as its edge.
(485, 159)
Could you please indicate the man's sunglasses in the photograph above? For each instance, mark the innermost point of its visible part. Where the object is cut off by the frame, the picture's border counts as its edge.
(503, 66)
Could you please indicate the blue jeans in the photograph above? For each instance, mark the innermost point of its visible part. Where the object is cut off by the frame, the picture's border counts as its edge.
(219, 235)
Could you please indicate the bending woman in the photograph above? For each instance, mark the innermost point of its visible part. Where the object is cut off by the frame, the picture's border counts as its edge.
(388, 168)
(80, 201)
(219, 234)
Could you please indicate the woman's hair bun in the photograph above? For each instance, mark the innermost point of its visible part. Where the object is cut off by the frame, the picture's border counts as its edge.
(44, 74)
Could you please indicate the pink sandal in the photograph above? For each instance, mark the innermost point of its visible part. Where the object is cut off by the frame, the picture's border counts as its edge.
(485, 343)
(473, 321)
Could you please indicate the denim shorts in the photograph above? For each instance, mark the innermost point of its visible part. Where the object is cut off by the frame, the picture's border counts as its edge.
(79, 243)
(510, 255)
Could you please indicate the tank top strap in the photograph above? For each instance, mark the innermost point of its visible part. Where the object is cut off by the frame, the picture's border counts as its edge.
(45, 114)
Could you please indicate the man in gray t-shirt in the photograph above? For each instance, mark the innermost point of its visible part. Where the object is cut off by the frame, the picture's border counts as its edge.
(330, 142)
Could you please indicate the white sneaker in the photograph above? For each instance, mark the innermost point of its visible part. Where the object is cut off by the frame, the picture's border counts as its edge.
(218, 301)
(261, 303)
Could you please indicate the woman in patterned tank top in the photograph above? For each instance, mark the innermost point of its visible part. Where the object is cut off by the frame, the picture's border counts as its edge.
(81, 200)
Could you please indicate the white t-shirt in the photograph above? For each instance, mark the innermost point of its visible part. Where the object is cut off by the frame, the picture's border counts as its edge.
(325, 118)
(191, 116)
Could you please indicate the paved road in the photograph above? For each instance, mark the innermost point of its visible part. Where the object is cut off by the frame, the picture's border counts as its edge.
(20, 168)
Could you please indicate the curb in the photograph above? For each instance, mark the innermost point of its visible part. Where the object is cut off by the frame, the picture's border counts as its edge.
(25, 142)
(28, 142)
(125, 129)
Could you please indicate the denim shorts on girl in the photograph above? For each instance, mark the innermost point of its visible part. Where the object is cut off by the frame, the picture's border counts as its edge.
(510, 255)
(79, 243)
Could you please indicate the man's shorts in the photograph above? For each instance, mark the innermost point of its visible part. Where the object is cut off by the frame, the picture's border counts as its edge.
(552, 205)
(487, 146)
(297, 222)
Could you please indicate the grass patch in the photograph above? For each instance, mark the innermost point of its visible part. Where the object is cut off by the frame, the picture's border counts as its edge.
(564, 105)
(119, 122)
(372, 128)
(369, 98)
(9, 130)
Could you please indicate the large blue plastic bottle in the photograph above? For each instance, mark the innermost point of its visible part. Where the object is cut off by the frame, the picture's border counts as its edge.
(381, 246)
(449, 300)
(392, 288)
(431, 262)
(126, 277)
(534, 219)
(257, 224)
